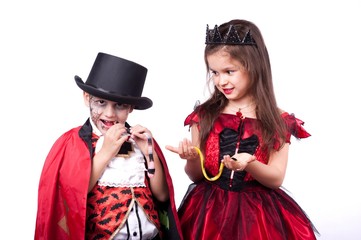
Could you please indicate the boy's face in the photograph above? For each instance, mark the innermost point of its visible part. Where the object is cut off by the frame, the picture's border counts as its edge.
(105, 113)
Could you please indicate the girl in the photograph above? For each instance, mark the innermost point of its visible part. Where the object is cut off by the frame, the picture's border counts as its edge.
(245, 139)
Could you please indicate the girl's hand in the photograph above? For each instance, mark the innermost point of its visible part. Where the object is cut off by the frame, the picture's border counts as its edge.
(238, 162)
(185, 150)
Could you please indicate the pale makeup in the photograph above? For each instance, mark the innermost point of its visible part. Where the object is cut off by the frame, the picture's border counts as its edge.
(105, 113)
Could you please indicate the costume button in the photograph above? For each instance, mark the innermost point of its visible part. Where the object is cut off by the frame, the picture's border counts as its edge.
(134, 234)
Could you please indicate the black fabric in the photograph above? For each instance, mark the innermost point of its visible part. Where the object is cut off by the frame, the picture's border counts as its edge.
(227, 143)
(116, 79)
(85, 133)
(126, 146)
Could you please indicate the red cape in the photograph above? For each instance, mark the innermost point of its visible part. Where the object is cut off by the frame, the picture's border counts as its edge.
(63, 189)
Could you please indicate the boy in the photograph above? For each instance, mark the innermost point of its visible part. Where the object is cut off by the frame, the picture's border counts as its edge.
(106, 179)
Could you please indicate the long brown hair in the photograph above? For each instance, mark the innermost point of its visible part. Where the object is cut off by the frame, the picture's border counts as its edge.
(256, 61)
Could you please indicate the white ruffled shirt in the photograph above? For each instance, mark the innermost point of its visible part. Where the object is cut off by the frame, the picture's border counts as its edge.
(128, 171)
(122, 170)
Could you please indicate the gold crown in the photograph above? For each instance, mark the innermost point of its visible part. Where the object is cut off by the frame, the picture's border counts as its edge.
(213, 36)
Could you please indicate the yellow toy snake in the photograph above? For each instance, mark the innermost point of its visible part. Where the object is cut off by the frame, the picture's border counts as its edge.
(204, 170)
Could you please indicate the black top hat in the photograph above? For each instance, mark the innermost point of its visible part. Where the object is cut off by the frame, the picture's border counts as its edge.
(116, 79)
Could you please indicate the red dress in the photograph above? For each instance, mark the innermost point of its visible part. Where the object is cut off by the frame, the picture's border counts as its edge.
(247, 209)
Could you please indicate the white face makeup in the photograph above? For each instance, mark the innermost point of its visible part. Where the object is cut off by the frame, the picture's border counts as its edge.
(105, 113)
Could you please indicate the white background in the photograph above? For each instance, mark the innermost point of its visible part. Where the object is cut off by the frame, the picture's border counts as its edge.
(314, 48)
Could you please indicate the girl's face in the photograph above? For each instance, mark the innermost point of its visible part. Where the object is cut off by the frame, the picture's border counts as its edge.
(230, 77)
(105, 113)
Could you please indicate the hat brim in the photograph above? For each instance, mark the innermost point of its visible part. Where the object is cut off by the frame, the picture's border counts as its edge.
(139, 103)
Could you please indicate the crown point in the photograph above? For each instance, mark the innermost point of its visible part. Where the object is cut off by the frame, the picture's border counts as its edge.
(213, 36)
(207, 35)
(232, 36)
(248, 38)
(217, 38)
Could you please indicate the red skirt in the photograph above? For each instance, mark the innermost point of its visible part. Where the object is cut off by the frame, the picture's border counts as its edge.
(209, 211)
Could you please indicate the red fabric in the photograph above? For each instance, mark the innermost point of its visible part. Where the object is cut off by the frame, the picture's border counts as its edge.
(119, 198)
(252, 212)
(255, 213)
(295, 126)
(250, 127)
(63, 189)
